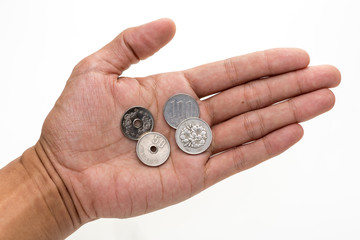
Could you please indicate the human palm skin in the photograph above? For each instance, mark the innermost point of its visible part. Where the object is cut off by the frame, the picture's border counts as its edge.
(98, 164)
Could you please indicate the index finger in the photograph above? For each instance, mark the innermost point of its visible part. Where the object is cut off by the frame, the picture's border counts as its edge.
(218, 76)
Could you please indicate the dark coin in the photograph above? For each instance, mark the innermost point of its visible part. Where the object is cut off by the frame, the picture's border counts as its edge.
(136, 121)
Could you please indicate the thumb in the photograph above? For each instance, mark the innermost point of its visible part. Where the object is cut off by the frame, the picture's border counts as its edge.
(131, 46)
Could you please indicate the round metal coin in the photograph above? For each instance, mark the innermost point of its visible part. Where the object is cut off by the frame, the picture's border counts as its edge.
(193, 136)
(153, 149)
(136, 121)
(180, 107)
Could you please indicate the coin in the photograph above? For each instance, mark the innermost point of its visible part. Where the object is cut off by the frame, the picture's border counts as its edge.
(136, 121)
(180, 107)
(193, 135)
(153, 149)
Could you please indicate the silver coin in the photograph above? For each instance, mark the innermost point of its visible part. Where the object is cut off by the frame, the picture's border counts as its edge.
(180, 107)
(193, 136)
(136, 121)
(153, 149)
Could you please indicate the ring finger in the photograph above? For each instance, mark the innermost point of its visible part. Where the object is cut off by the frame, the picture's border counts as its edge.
(258, 123)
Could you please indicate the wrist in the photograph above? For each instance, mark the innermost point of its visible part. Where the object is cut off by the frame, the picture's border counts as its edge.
(59, 199)
(34, 201)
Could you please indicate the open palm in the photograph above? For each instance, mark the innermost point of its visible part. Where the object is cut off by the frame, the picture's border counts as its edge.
(98, 164)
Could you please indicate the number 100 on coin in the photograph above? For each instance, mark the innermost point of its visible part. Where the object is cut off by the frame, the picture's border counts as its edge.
(180, 107)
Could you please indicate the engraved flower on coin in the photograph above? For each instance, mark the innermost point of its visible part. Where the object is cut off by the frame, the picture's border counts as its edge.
(127, 120)
(193, 136)
(146, 124)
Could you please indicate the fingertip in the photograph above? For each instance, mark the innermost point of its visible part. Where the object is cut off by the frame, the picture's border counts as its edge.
(169, 22)
(134, 44)
(328, 75)
(287, 137)
(165, 27)
(287, 59)
(298, 132)
(150, 37)
(306, 57)
(334, 74)
(302, 56)
(331, 99)
(325, 100)
(169, 26)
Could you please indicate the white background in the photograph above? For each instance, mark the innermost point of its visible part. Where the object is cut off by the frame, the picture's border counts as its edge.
(310, 192)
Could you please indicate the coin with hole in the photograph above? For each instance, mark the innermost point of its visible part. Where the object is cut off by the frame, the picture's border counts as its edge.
(136, 121)
(153, 149)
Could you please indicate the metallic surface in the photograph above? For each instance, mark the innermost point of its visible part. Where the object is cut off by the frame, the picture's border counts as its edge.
(180, 107)
(193, 136)
(153, 149)
(136, 121)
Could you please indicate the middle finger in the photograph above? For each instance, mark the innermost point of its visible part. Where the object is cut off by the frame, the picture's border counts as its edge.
(261, 93)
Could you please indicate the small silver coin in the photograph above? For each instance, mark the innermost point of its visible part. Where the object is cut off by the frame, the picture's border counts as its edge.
(180, 107)
(193, 136)
(153, 149)
(136, 121)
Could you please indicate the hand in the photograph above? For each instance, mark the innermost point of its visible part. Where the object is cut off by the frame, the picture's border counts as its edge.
(82, 138)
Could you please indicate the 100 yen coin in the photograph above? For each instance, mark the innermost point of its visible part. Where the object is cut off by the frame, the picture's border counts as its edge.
(180, 107)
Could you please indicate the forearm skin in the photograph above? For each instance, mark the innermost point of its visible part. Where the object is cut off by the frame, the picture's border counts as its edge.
(34, 202)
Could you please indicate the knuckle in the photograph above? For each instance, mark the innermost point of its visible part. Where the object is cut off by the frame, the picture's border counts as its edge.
(301, 78)
(253, 125)
(260, 124)
(239, 161)
(127, 45)
(209, 111)
(252, 96)
(230, 70)
(268, 147)
(267, 62)
(293, 109)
